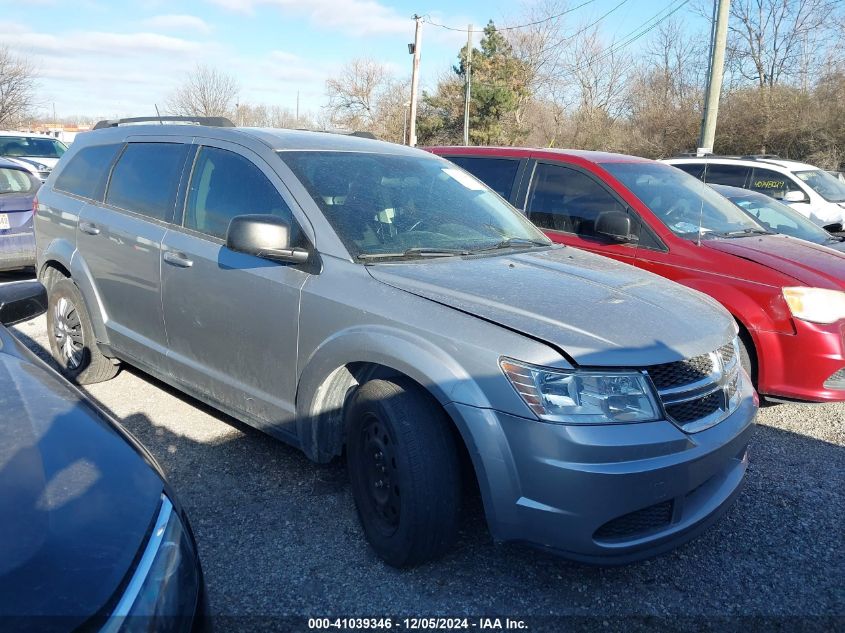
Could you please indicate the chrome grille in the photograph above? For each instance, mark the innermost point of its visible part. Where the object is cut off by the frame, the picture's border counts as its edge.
(699, 392)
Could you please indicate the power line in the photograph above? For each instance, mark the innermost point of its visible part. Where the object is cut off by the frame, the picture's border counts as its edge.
(584, 28)
(628, 39)
(519, 26)
(634, 35)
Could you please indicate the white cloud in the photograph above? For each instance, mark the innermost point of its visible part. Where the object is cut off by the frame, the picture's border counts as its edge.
(93, 42)
(355, 17)
(178, 22)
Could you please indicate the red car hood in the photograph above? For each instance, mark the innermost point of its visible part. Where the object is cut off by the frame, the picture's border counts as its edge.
(810, 264)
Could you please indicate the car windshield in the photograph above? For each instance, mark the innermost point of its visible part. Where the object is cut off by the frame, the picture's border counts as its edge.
(683, 203)
(828, 187)
(388, 205)
(15, 181)
(780, 218)
(34, 147)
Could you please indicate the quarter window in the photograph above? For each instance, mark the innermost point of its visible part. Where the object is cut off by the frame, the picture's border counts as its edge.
(146, 177)
(85, 175)
(224, 185)
(497, 173)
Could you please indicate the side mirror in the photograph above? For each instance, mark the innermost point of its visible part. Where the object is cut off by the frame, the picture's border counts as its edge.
(795, 196)
(615, 225)
(264, 236)
(22, 301)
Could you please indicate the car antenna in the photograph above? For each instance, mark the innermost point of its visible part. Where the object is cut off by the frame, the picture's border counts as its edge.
(158, 114)
(701, 207)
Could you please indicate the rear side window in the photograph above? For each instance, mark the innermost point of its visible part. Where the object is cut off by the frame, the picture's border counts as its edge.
(733, 175)
(225, 184)
(772, 183)
(85, 175)
(497, 173)
(146, 177)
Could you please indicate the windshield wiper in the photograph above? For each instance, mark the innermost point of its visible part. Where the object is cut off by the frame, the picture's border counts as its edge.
(416, 252)
(744, 232)
(512, 242)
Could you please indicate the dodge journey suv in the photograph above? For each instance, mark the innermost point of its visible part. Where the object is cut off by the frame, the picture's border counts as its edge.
(358, 298)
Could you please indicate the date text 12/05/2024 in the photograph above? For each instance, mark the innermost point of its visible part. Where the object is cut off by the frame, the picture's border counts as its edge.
(436, 624)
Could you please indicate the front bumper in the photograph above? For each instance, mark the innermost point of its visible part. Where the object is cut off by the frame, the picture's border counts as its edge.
(796, 366)
(605, 494)
(17, 250)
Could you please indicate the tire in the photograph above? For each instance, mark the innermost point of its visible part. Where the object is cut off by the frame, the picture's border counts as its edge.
(747, 357)
(72, 341)
(404, 470)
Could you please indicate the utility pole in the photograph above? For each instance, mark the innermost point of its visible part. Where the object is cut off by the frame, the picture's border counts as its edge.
(714, 79)
(415, 79)
(468, 73)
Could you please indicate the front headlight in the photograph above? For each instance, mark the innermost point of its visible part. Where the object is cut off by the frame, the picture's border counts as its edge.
(164, 590)
(817, 305)
(582, 397)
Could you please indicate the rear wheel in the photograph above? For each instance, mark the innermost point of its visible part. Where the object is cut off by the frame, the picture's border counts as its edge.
(404, 469)
(72, 341)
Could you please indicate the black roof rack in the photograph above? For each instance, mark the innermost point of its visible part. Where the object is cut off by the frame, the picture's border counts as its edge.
(729, 156)
(210, 121)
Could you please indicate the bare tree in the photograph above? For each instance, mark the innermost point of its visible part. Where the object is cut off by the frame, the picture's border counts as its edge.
(355, 93)
(664, 99)
(780, 41)
(206, 91)
(17, 88)
(366, 96)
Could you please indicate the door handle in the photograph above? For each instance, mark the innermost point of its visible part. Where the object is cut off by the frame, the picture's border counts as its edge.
(89, 227)
(177, 259)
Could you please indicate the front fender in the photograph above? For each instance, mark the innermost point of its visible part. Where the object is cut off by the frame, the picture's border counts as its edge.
(325, 380)
(756, 306)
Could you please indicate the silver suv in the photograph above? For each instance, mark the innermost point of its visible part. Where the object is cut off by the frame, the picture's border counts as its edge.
(350, 296)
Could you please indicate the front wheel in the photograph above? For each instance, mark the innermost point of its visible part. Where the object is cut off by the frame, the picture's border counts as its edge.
(404, 469)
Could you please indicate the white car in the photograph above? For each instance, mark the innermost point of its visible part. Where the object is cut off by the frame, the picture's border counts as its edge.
(38, 150)
(809, 190)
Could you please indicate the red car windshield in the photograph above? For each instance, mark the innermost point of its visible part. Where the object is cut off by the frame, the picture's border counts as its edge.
(684, 204)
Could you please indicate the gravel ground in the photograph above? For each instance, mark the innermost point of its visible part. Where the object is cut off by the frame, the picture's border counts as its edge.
(278, 536)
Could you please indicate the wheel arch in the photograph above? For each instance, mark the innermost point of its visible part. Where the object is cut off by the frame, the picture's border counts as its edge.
(355, 356)
(62, 258)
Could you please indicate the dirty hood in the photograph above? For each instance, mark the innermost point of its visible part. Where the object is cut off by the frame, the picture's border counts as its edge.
(810, 264)
(597, 311)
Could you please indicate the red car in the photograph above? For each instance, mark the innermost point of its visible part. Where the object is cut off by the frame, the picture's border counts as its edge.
(787, 295)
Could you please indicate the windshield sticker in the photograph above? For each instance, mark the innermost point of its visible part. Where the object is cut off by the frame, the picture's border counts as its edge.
(687, 227)
(467, 181)
(770, 184)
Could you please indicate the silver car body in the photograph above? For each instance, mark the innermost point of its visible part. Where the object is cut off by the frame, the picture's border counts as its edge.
(281, 346)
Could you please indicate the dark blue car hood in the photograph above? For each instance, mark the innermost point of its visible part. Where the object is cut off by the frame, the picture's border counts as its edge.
(77, 499)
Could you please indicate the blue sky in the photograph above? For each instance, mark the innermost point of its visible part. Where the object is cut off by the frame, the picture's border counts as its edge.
(102, 58)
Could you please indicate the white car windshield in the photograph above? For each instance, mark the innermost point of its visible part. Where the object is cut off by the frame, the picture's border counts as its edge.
(388, 205)
(683, 203)
(828, 187)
